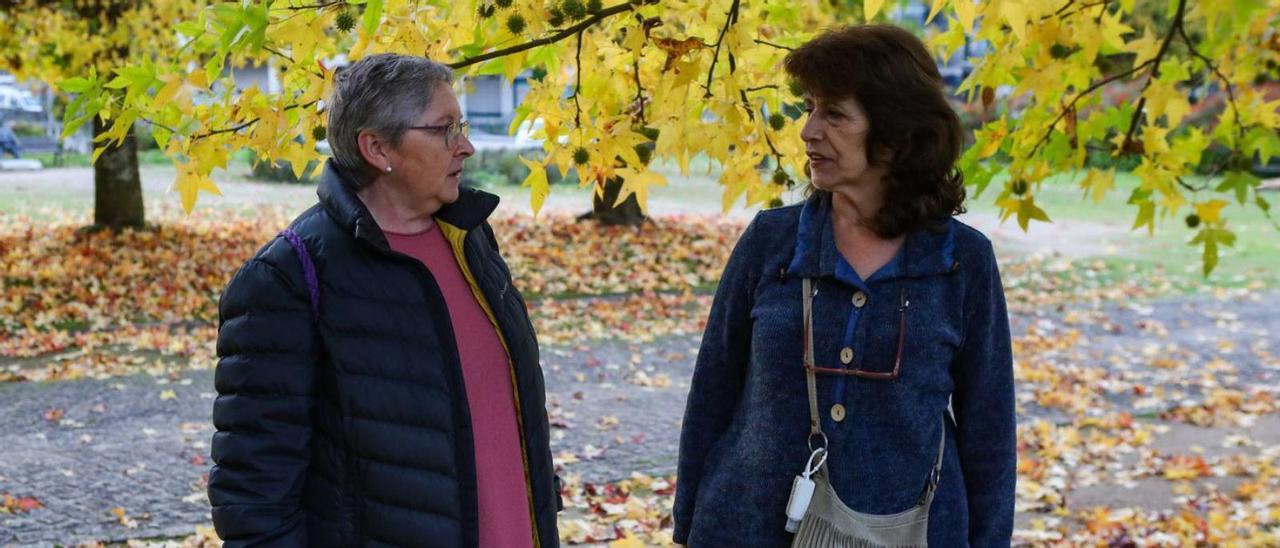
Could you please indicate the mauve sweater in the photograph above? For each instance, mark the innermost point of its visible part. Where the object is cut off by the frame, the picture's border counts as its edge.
(500, 482)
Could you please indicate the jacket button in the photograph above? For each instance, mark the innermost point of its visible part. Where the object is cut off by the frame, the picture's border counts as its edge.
(846, 355)
(859, 299)
(837, 413)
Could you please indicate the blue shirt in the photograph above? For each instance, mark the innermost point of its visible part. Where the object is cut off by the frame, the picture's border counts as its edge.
(746, 422)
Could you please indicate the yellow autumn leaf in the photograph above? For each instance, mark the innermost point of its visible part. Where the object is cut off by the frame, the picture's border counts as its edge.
(638, 183)
(966, 13)
(649, 69)
(1113, 30)
(1015, 14)
(189, 184)
(536, 181)
(732, 192)
(628, 541)
(1028, 211)
(991, 137)
(1097, 183)
(1211, 211)
(1163, 99)
(513, 65)
(300, 157)
(934, 9)
(634, 40)
(1144, 48)
(173, 83)
(871, 8)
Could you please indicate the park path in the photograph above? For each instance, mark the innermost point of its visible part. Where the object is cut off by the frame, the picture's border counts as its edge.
(128, 457)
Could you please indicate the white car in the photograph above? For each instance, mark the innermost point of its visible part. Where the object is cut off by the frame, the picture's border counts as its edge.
(522, 140)
(18, 99)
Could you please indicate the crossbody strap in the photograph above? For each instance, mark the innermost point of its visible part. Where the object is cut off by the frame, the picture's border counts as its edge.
(308, 269)
(815, 423)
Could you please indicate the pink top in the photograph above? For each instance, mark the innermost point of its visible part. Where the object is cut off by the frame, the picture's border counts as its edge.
(500, 478)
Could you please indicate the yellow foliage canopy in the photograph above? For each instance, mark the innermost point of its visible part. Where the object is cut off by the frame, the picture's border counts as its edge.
(1163, 82)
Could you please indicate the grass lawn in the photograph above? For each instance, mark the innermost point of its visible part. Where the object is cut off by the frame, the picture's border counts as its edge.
(149, 157)
(698, 192)
(1254, 258)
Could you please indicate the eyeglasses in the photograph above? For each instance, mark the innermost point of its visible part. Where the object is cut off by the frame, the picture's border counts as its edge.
(452, 131)
(871, 375)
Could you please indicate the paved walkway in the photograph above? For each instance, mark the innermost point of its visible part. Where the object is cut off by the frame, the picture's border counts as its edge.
(128, 457)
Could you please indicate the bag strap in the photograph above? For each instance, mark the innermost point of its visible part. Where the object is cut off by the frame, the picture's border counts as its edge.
(815, 423)
(308, 269)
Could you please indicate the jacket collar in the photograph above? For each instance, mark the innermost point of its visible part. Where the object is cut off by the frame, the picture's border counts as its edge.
(471, 209)
(926, 252)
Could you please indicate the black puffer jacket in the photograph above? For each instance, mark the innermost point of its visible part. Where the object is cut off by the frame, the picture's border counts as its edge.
(354, 429)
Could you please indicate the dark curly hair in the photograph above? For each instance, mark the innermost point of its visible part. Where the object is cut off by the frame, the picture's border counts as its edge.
(890, 72)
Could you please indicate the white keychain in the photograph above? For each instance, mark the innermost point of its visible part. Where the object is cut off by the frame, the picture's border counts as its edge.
(802, 490)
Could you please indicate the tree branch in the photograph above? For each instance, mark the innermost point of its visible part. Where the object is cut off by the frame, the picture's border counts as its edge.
(581, 26)
(577, 84)
(639, 90)
(1062, 12)
(157, 124)
(1155, 73)
(1082, 95)
(1231, 94)
(245, 124)
(278, 53)
(773, 45)
(319, 6)
(733, 69)
(1188, 186)
(728, 22)
(776, 155)
(576, 29)
(1155, 69)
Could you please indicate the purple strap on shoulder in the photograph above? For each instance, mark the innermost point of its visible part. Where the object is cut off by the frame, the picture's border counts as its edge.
(308, 269)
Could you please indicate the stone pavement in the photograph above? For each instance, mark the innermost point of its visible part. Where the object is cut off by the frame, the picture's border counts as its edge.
(128, 457)
(90, 447)
(85, 448)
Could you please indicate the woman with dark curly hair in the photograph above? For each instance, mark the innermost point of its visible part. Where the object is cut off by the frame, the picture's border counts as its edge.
(855, 381)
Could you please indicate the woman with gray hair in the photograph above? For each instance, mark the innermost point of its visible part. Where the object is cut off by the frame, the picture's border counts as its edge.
(378, 381)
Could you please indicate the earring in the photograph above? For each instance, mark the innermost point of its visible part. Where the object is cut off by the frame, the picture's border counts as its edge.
(388, 169)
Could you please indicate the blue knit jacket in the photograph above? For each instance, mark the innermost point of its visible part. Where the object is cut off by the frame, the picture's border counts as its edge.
(746, 423)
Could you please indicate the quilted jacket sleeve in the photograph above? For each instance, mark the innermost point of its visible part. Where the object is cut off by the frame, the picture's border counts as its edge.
(268, 356)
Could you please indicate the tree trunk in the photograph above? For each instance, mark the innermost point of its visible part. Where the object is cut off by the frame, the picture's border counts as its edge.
(117, 187)
(627, 213)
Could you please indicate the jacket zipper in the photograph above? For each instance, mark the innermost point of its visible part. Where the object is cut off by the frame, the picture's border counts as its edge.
(402, 257)
(457, 239)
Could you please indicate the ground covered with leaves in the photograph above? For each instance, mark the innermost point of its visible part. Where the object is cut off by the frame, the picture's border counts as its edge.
(1107, 375)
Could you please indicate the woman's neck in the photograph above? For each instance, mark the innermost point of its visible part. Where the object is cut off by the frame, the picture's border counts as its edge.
(397, 211)
(856, 207)
(853, 213)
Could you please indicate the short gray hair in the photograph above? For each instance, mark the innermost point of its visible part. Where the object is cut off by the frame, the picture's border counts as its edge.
(384, 93)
